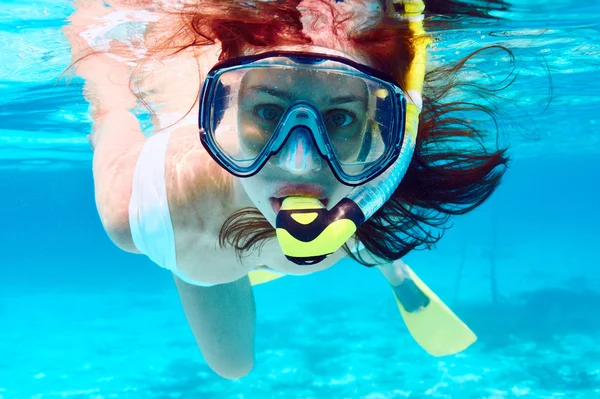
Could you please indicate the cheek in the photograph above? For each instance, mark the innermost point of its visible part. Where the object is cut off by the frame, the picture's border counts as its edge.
(257, 189)
(348, 150)
(340, 191)
(253, 186)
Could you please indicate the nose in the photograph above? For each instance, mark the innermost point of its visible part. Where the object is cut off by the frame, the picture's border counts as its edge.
(299, 155)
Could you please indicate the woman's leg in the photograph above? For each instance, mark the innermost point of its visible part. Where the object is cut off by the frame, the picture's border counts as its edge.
(222, 319)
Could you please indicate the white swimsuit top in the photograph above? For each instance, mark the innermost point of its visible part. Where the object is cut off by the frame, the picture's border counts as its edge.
(149, 215)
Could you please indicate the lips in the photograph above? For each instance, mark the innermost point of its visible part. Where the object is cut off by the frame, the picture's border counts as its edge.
(297, 190)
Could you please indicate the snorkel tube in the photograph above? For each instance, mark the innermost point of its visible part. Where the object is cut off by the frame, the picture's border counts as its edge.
(307, 232)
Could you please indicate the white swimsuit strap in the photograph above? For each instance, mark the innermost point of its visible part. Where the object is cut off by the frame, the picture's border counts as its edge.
(149, 215)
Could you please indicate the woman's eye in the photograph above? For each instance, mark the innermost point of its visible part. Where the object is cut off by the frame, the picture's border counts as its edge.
(340, 118)
(269, 112)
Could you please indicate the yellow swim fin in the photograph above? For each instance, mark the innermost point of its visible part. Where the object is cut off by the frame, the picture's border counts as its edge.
(433, 325)
(263, 276)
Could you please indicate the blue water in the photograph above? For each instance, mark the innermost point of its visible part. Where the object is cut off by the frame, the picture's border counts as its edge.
(81, 319)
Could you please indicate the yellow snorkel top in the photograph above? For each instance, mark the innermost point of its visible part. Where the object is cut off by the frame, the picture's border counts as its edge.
(307, 232)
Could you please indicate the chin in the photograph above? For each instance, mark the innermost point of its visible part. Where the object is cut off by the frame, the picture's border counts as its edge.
(326, 263)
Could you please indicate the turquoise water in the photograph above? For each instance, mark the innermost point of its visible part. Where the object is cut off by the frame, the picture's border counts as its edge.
(80, 319)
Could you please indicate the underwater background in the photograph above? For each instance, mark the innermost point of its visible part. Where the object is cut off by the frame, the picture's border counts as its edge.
(81, 319)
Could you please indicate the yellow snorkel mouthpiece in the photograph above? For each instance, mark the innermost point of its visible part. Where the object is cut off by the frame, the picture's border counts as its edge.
(308, 233)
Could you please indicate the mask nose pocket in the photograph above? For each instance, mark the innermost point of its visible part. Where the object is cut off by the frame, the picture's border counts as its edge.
(299, 154)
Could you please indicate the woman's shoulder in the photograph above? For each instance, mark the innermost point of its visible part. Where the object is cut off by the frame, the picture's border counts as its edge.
(191, 174)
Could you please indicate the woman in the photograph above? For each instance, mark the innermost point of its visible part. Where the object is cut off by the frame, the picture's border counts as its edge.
(310, 132)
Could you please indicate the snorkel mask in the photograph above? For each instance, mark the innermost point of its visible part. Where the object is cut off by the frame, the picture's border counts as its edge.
(360, 122)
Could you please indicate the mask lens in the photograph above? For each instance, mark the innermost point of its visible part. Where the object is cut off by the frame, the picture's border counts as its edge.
(358, 154)
(241, 147)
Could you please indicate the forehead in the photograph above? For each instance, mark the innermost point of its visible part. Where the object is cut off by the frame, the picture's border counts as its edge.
(302, 81)
(354, 56)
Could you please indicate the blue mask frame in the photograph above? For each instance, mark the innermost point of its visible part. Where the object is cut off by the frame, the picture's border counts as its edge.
(313, 123)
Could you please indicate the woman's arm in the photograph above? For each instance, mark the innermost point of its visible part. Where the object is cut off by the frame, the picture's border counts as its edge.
(116, 137)
(117, 143)
(222, 319)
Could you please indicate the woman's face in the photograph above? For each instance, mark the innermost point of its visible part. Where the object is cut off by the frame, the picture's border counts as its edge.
(298, 169)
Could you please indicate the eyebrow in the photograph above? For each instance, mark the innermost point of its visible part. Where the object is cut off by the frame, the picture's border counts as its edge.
(350, 98)
(272, 91)
(284, 95)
